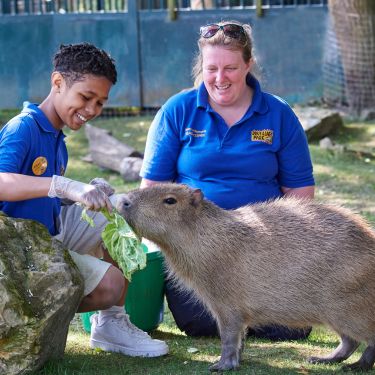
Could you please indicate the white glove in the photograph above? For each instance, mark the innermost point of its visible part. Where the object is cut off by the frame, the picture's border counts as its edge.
(89, 195)
(103, 185)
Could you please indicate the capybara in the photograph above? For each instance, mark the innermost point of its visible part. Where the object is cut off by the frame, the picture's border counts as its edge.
(290, 261)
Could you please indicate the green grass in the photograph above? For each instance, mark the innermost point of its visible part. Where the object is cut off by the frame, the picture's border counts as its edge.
(341, 177)
(260, 356)
(348, 178)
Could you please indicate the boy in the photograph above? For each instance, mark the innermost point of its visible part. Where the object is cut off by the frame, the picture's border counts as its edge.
(33, 160)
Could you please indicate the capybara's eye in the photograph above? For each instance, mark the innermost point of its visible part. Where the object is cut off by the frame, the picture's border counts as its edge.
(170, 201)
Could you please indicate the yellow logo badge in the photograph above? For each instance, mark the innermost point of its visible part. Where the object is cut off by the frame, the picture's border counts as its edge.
(265, 136)
(39, 165)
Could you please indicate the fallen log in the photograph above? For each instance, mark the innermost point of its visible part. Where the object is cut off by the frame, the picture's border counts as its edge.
(106, 151)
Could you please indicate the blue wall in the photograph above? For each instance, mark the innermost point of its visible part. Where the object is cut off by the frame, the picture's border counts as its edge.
(154, 55)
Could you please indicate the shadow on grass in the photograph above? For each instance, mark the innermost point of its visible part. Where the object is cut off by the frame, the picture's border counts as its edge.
(354, 132)
(271, 362)
(291, 358)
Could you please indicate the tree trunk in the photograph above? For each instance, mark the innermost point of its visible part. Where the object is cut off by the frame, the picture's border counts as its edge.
(354, 25)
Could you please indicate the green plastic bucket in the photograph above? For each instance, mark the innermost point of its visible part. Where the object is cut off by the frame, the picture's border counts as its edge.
(145, 297)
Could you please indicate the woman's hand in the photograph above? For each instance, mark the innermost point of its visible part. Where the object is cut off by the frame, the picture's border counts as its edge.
(302, 192)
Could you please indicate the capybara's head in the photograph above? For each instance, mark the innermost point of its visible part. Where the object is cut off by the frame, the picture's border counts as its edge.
(154, 211)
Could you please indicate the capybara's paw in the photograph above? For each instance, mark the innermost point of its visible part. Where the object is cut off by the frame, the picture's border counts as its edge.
(357, 366)
(223, 365)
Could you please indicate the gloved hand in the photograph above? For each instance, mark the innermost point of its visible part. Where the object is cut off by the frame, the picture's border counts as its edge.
(103, 185)
(89, 195)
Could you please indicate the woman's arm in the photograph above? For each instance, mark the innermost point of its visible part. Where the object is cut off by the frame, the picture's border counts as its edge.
(302, 192)
(146, 183)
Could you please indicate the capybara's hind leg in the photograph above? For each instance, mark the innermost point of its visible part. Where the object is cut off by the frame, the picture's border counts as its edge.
(231, 341)
(365, 363)
(342, 352)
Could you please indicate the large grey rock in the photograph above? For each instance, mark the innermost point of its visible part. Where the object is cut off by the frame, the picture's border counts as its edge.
(319, 122)
(40, 290)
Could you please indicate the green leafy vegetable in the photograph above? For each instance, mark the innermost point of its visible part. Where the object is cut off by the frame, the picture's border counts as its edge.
(121, 242)
(86, 217)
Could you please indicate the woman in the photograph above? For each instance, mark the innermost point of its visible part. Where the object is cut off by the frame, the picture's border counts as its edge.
(237, 144)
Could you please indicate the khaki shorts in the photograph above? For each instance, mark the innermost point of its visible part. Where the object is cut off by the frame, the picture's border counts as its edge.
(83, 243)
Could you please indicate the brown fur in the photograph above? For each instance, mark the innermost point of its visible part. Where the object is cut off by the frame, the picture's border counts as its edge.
(291, 262)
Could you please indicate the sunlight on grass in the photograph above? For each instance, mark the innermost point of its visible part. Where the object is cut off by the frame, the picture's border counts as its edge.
(345, 178)
(78, 342)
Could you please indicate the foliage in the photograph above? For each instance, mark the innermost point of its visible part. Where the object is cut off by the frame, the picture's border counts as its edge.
(6, 115)
(123, 245)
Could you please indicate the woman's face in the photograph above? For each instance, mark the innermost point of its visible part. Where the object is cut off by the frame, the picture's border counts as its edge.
(224, 74)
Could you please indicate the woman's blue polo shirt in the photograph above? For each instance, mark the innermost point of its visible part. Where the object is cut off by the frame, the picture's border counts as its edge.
(30, 145)
(189, 143)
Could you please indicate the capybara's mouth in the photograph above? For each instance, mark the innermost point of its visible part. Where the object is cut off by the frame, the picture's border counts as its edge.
(134, 229)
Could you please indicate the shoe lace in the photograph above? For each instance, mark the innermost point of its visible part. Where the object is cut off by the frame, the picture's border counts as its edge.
(122, 319)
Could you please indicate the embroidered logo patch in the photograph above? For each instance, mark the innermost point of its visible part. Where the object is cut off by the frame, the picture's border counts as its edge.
(195, 133)
(265, 136)
(39, 165)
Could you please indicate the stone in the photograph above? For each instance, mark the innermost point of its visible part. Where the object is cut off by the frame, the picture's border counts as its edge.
(40, 290)
(130, 168)
(319, 122)
(327, 144)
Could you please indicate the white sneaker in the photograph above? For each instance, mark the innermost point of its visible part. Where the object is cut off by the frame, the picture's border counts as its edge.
(118, 334)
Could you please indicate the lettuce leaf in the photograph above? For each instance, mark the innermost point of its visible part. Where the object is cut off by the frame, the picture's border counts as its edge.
(123, 245)
(86, 217)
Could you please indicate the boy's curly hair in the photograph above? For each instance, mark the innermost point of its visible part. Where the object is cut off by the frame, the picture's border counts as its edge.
(74, 61)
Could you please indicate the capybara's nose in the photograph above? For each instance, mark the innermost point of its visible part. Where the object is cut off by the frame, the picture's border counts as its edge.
(125, 202)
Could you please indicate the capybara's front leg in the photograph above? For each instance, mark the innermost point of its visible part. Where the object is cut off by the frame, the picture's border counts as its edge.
(365, 363)
(230, 354)
(243, 339)
(342, 352)
(231, 341)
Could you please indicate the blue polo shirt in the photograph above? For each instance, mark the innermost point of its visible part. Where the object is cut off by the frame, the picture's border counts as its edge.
(30, 145)
(189, 143)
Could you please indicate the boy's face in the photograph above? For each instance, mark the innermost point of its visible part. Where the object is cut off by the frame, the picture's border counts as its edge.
(79, 102)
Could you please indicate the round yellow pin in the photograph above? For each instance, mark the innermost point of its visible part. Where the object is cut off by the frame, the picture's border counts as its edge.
(39, 165)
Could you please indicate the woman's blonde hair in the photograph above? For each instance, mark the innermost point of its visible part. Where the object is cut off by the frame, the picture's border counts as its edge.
(243, 44)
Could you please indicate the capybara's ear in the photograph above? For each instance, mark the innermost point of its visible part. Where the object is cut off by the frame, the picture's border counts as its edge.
(197, 197)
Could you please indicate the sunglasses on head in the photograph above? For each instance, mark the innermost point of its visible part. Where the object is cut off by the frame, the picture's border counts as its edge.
(231, 30)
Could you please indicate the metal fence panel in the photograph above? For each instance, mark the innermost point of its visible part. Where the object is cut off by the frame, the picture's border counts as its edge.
(154, 55)
(17, 7)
